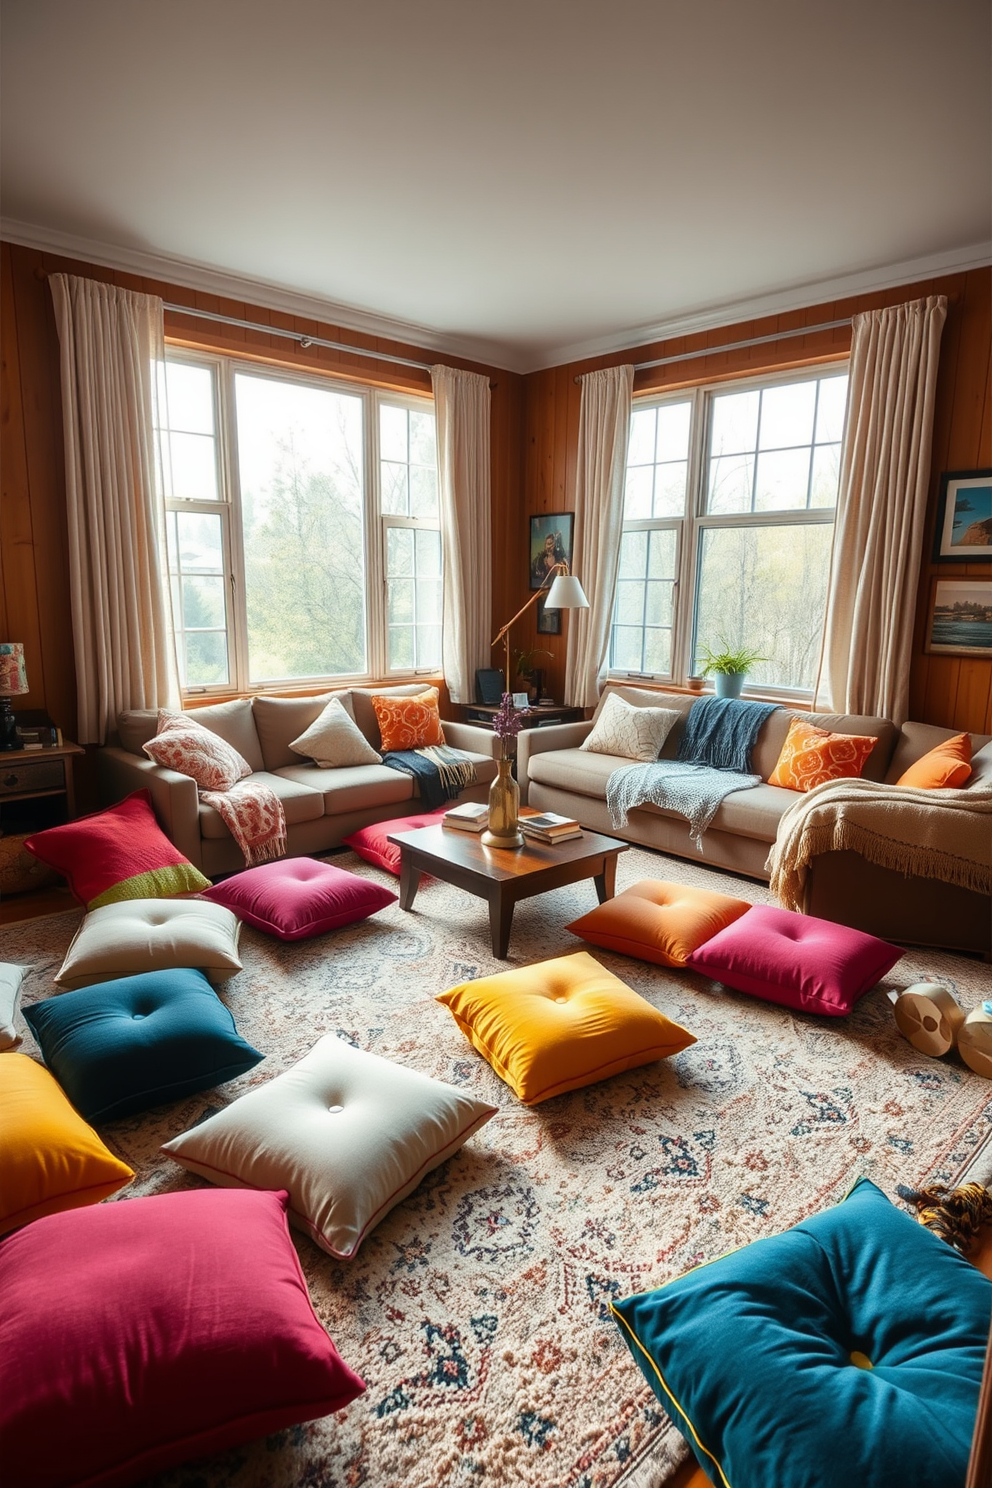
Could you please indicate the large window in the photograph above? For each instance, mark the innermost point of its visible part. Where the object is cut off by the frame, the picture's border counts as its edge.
(728, 518)
(303, 526)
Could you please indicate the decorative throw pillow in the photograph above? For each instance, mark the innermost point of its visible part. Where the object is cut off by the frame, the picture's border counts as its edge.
(942, 768)
(560, 1025)
(334, 739)
(121, 1047)
(183, 745)
(408, 722)
(137, 1336)
(373, 844)
(633, 733)
(11, 977)
(347, 1133)
(297, 897)
(796, 960)
(847, 1350)
(811, 755)
(658, 921)
(49, 1158)
(122, 940)
(120, 853)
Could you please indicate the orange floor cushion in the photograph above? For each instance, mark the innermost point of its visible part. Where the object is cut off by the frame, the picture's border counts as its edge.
(659, 921)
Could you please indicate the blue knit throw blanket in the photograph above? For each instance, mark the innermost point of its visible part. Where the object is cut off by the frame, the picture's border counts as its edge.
(720, 732)
(440, 771)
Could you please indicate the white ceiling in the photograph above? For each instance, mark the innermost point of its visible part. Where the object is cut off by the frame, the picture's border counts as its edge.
(518, 180)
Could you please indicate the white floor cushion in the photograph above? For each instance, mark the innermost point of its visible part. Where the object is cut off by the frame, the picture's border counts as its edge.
(139, 935)
(347, 1133)
(11, 977)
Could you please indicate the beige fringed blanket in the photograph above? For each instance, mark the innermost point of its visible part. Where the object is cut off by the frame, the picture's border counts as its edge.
(893, 826)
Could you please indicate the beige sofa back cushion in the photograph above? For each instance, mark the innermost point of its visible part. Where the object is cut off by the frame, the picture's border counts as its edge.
(232, 721)
(640, 697)
(280, 720)
(364, 714)
(917, 739)
(775, 727)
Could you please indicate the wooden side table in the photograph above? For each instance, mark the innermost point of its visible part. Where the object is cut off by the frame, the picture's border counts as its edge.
(540, 715)
(37, 774)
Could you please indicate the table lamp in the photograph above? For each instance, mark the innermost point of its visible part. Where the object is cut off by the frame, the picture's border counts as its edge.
(565, 593)
(13, 682)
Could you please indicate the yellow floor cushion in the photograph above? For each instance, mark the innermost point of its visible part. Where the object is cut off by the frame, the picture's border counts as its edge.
(659, 921)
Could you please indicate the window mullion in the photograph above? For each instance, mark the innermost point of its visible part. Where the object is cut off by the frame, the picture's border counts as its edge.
(234, 525)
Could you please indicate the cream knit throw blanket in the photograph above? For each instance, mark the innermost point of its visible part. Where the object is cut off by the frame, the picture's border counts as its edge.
(943, 834)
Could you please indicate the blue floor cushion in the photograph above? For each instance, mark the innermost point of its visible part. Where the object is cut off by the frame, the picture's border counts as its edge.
(120, 1047)
(845, 1353)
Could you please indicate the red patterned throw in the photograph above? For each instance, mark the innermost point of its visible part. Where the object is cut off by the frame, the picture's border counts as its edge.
(254, 816)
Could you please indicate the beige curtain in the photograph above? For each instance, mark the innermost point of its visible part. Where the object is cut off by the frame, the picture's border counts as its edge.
(881, 505)
(604, 428)
(111, 342)
(462, 406)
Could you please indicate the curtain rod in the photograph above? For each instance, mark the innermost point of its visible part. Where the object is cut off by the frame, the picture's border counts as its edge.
(301, 337)
(705, 351)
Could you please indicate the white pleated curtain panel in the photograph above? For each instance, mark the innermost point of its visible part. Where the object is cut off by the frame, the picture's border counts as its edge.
(881, 508)
(604, 429)
(111, 343)
(462, 402)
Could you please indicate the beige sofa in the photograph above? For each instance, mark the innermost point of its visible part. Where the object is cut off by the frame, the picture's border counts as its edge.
(322, 806)
(556, 775)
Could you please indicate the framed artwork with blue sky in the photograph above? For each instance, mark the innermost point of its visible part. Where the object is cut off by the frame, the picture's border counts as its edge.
(964, 517)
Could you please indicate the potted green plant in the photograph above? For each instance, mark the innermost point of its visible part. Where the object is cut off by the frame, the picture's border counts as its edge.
(529, 672)
(728, 666)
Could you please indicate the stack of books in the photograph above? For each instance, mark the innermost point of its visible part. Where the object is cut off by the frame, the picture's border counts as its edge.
(470, 816)
(550, 827)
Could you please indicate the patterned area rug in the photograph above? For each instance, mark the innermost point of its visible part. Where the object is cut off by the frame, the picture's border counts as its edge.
(477, 1311)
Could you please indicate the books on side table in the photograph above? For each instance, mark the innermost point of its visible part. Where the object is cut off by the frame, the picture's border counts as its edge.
(548, 826)
(470, 816)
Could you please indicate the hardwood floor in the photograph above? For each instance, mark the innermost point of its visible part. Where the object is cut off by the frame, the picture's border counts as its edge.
(30, 906)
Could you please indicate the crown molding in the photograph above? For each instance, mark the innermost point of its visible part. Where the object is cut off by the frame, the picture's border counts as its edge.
(267, 294)
(796, 297)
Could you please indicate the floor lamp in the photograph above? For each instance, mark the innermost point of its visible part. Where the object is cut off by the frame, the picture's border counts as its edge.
(565, 593)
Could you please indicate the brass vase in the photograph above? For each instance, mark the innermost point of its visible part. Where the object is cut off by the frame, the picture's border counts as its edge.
(504, 808)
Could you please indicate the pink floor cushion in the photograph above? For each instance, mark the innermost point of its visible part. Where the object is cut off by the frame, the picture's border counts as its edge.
(298, 897)
(136, 1336)
(804, 963)
(372, 845)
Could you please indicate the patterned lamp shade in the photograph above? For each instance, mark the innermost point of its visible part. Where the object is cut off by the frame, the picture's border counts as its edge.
(13, 673)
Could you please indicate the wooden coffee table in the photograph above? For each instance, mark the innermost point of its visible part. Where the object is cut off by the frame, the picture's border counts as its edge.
(503, 875)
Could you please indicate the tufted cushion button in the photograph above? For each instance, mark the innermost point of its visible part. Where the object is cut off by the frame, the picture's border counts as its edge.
(860, 1360)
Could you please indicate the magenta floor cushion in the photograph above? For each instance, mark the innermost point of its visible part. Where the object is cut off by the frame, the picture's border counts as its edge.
(372, 845)
(801, 962)
(298, 897)
(138, 1335)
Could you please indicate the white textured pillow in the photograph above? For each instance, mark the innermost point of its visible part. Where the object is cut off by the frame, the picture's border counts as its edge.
(335, 739)
(347, 1133)
(139, 935)
(633, 733)
(11, 977)
(187, 747)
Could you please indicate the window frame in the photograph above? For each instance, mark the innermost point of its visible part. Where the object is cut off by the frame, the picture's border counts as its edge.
(695, 520)
(224, 368)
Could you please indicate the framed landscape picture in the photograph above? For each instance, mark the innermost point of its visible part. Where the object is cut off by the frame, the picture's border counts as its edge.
(550, 543)
(960, 620)
(964, 517)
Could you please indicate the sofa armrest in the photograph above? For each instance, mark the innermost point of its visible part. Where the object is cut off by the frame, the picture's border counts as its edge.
(471, 738)
(542, 741)
(174, 796)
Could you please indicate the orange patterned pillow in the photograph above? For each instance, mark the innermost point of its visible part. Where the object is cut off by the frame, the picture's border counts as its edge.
(947, 765)
(811, 755)
(408, 722)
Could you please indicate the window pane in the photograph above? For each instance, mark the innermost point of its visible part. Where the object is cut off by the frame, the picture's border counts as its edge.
(657, 651)
(826, 475)
(633, 555)
(766, 587)
(640, 447)
(783, 476)
(301, 458)
(399, 551)
(629, 603)
(400, 646)
(188, 403)
(401, 602)
(787, 415)
(830, 410)
(428, 600)
(197, 540)
(673, 431)
(637, 493)
(193, 464)
(423, 438)
(203, 604)
(658, 605)
(393, 433)
(423, 492)
(395, 491)
(669, 489)
(730, 484)
(627, 648)
(661, 561)
(428, 546)
(734, 423)
(428, 639)
(206, 658)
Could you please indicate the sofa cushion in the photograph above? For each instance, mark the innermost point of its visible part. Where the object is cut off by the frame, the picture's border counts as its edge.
(408, 723)
(774, 730)
(50, 1159)
(301, 802)
(295, 898)
(810, 756)
(634, 733)
(122, 940)
(360, 699)
(576, 770)
(121, 1047)
(658, 921)
(753, 813)
(917, 739)
(640, 697)
(232, 721)
(351, 787)
(190, 749)
(347, 1133)
(280, 720)
(334, 739)
(844, 1352)
(944, 767)
(137, 1336)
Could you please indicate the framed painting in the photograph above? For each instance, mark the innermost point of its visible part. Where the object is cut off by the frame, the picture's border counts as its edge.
(960, 618)
(550, 543)
(964, 517)
(548, 621)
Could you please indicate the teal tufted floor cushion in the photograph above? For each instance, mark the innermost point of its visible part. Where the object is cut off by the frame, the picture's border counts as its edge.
(845, 1353)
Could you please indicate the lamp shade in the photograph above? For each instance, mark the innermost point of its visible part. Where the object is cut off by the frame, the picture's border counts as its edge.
(13, 673)
(566, 593)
